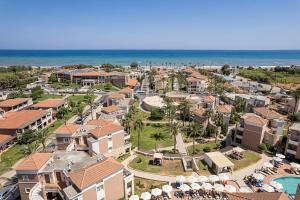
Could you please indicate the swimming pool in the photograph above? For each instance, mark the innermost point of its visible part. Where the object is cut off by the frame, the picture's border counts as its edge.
(289, 183)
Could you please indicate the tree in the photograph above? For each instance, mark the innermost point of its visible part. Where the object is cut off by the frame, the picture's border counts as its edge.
(127, 124)
(296, 95)
(37, 92)
(184, 108)
(134, 65)
(169, 110)
(174, 131)
(195, 130)
(172, 79)
(52, 78)
(225, 70)
(107, 67)
(224, 129)
(233, 116)
(239, 104)
(90, 100)
(79, 111)
(263, 147)
(29, 149)
(27, 137)
(62, 112)
(42, 137)
(138, 124)
(157, 137)
(293, 117)
(157, 114)
(218, 118)
(107, 86)
(209, 113)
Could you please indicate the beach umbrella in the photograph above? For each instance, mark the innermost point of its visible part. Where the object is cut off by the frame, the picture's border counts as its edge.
(276, 185)
(258, 176)
(295, 165)
(224, 177)
(167, 188)
(134, 197)
(230, 188)
(184, 187)
(146, 196)
(277, 159)
(156, 192)
(218, 187)
(195, 186)
(202, 179)
(191, 179)
(245, 190)
(267, 165)
(207, 186)
(267, 188)
(213, 178)
(180, 179)
(279, 155)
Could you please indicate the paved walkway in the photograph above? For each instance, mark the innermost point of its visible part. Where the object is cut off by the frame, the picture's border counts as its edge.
(180, 144)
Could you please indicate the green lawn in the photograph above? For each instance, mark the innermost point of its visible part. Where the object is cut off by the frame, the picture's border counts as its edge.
(204, 169)
(147, 142)
(76, 98)
(49, 96)
(145, 185)
(58, 85)
(199, 147)
(10, 157)
(169, 167)
(250, 157)
(102, 87)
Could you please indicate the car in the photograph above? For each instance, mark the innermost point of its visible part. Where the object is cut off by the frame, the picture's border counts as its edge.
(79, 121)
(4, 192)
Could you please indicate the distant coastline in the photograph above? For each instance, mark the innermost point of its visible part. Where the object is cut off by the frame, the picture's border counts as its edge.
(151, 57)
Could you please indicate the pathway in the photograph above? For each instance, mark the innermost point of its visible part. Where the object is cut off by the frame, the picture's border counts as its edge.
(180, 144)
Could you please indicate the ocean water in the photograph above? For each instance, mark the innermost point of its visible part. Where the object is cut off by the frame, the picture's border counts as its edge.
(150, 57)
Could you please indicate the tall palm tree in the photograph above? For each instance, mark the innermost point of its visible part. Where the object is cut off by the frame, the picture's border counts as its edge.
(172, 79)
(42, 137)
(138, 124)
(169, 109)
(296, 95)
(157, 137)
(29, 149)
(184, 108)
(79, 110)
(90, 100)
(218, 118)
(127, 124)
(174, 131)
(195, 130)
(209, 113)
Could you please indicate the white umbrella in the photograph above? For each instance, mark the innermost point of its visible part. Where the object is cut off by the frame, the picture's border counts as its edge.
(167, 188)
(191, 179)
(134, 197)
(258, 176)
(156, 192)
(279, 155)
(276, 185)
(277, 159)
(230, 188)
(146, 196)
(295, 165)
(213, 178)
(218, 187)
(207, 186)
(223, 177)
(267, 188)
(184, 187)
(202, 179)
(180, 179)
(195, 186)
(245, 190)
(267, 165)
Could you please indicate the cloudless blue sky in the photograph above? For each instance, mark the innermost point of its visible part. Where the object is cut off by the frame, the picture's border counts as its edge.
(149, 24)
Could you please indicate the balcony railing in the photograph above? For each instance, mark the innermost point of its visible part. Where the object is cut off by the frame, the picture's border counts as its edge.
(36, 193)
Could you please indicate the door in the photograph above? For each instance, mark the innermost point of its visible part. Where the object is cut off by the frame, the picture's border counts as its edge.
(58, 176)
(47, 178)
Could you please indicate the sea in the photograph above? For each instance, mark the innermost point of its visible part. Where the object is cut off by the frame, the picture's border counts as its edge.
(151, 57)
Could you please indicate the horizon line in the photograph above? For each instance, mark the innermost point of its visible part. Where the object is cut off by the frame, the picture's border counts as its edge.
(149, 49)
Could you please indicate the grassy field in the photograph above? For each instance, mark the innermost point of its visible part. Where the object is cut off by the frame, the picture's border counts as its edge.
(146, 140)
(49, 96)
(145, 185)
(102, 87)
(250, 157)
(58, 85)
(204, 168)
(199, 147)
(169, 168)
(76, 98)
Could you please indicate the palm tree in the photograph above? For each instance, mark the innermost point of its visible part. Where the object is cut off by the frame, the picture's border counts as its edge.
(218, 118)
(157, 137)
(184, 108)
(195, 130)
(172, 79)
(42, 137)
(209, 113)
(90, 100)
(138, 124)
(170, 110)
(79, 111)
(296, 95)
(29, 149)
(127, 124)
(174, 131)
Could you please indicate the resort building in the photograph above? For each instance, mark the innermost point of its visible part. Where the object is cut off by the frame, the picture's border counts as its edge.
(177, 96)
(198, 115)
(54, 104)
(6, 140)
(209, 102)
(292, 149)
(13, 105)
(14, 123)
(196, 84)
(73, 176)
(64, 136)
(288, 105)
(225, 110)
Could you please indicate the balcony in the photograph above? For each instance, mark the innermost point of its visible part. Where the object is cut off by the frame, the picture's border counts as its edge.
(291, 152)
(240, 127)
(292, 142)
(36, 193)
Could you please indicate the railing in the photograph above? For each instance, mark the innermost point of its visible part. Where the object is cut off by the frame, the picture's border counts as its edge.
(36, 192)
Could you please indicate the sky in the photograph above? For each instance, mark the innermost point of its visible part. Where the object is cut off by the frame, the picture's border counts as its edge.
(150, 24)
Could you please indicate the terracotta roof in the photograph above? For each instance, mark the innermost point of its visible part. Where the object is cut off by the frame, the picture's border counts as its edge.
(254, 119)
(34, 161)
(258, 196)
(132, 82)
(5, 138)
(106, 130)
(49, 103)
(126, 90)
(209, 99)
(110, 109)
(95, 173)
(225, 109)
(198, 76)
(92, 73)
(67, 129)
(20, 119)
(12, 102)
(188, 70)
(199, 111)
(116, 95)
(192, 79)
(100, 122)
(267, 113)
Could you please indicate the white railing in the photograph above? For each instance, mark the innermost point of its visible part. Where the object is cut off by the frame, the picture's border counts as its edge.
(36, 193)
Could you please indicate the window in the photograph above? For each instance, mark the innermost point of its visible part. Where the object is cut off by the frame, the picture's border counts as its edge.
(25, 178)
(27, 190)
(66, 140)
(100, 187)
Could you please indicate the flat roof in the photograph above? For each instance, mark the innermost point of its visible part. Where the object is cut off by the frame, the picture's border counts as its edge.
(219, 159)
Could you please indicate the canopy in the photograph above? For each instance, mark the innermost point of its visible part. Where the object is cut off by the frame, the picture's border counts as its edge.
(276, 185)
(156, 192)
(213, 178)
(134, 197)
(218, 187)
(167, 188)
(202, 179)
(258, 176)
(279, 155)
(267, 165)
(146, 196)
(245, 190)
(223, 177)
(267, 188)
(230, 188)
(192, 179)
(195, 186)
(207, 186)
(184, 187)
(180, 179)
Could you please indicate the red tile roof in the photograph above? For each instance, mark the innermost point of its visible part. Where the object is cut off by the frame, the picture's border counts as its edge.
(100, 122)
(116, 95)
(67, 129)
(258, 196)
(49, 103)
(5, 138)
(93, 73)
(209, 99)
(225, 109)
(126, 90)
(254, 119)
(110, 109)
(12, 102)
(95, 173)
(34, 161)
(106, 130)
(132, 82)
(267, 113)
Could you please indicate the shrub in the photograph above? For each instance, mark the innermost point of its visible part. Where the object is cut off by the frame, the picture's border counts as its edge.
(157, 114)
(206, 149)
(262, 147)
(138, 160)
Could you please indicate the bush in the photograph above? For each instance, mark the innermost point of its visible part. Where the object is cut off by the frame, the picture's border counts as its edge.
(157, 114)
(263, 147)
(206, 149)
(138, 160)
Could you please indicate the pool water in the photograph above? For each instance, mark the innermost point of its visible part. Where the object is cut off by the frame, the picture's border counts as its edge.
(289, 184)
